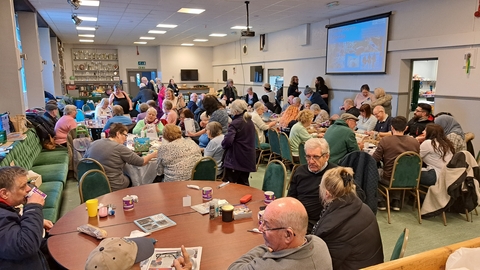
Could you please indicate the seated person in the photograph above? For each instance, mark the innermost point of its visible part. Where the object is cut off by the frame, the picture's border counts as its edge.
(341, 138)
(366, 120)
(284, 225)
(268, 92)
(299, 132)
(214, 148)
(306, 178)
(251, 97)
(153, 104)
(177, 157)
(307, 104)
(170, 115)
(388, 149)
(23, 246)
(192, 103)
(118, 117)
(51, 114)
(321, 116)
(113, 155)
(260, 125)
(421, 117)
(289, 115)
(203, 139)
(436, 151)
(150, 121)
(349, 108)
(187, 114)
(143, 111)
(103, 109)
(288, 103)
(383, 125)
(348, 226)
(66, 123)
(453, 131)
(270, 106)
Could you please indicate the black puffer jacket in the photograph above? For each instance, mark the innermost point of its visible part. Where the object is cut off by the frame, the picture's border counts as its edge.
(351, 232)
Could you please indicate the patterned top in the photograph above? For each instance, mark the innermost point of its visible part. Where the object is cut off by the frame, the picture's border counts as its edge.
(458, 142)
(176, 159)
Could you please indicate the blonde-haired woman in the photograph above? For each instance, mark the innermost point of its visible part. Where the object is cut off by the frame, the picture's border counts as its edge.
(346, 224)
(383, 99)
(299, 133)
(239, 143)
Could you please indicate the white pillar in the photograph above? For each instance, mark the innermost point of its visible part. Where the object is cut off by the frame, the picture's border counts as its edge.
(33, 64)
(46, 56)
(10, 87)
(57, 80)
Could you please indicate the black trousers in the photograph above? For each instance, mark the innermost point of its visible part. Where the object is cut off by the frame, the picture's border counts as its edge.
(235, 176)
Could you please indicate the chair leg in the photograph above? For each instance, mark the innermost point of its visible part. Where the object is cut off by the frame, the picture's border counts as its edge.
(466, 215)
(476, 212)
(444, 216)
(388, 207)
(417, 198)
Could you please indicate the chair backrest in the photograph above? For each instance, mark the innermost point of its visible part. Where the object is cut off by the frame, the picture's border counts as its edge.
(301, 153)
(400, 246)
(93, 183)
(257, 141)
(406, 170)
(274, 142)
(86, 108)
(205, 169)
(80, 116)
(275, 178)
(285, 147)
(86, 164)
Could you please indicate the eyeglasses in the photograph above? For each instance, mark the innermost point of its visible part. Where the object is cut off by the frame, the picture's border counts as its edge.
(125, 134)
(264, 229)
(314, 157)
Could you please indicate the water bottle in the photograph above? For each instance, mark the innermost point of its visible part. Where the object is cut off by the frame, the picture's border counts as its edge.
(102, 135)
(142, 133)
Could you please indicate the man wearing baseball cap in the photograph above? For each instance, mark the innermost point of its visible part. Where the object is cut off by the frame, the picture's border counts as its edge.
(341, 138)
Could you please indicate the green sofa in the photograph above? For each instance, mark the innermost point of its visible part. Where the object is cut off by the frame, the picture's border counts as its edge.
(51, 165)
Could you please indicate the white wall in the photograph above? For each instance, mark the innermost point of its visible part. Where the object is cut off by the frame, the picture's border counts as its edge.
(447, 34)
(46, 55)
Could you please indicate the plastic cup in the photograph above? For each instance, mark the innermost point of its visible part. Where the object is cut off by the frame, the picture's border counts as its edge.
(92, 207)
(269, 196)
(207, 193)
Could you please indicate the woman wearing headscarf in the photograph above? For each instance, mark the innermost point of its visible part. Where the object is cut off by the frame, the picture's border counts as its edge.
(453, 131)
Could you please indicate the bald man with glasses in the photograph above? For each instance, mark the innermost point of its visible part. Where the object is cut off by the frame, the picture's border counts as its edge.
(306, 178)
(287, 246)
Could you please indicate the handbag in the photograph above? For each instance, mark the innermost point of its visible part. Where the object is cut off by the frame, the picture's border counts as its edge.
(49, 143)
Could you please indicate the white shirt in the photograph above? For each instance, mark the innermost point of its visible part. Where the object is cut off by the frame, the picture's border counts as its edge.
(433, 159)
(366, 124)
(99, 111)
(260, 126)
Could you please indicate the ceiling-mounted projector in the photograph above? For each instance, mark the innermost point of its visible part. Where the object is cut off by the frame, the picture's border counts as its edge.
(74, 3)
(247, 33)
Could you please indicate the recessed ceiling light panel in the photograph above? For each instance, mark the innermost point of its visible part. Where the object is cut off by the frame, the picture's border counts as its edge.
(147, 38)
(167, 25)
(86, 40)
(89, 19)
(86, 35)
(200, 40)
(191, 10)
(187, 44)
(140, 42)
(86, 28)
(156, 32)
(89, 3)
(217, 35)
(239, 27)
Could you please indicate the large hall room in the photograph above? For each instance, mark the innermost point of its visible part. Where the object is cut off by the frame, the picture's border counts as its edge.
(233, 134)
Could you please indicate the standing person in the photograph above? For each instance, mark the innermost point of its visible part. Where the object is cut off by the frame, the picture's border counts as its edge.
(23, 246)
(436, 151)
(421, 117)
(65, 124)
(293, 87)
(161, 92)
(113, 155)
(103, 109)
(260, 125)
(365, 97)
(172, 85)
(145, 94)
(315, 98)
(148, 84)
(306, 178)
(251, 97)
(239, 144)
(119, 97)
(230, 92)
(388, 149)
(347, 225)
(287, 246)
(453, 131)
(322, 88)
(366, 120)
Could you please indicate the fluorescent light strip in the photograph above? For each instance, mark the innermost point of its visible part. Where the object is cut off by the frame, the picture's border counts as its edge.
(217, 35)
(86, 40)
(187, 44)
(191, 10)
(167, 25)
(239, 27)
(140, 42)
(156, 32)
(86, 28)
(147, 38)
(86, 35)
(200, 40)
(89, 3)
(88, 19)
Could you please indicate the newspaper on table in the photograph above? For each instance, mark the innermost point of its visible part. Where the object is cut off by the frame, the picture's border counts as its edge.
(154, 223)
(163, 258)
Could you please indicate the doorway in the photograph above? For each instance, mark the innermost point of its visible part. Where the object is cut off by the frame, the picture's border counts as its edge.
(134, 79)
(424, 80)
(275, 79)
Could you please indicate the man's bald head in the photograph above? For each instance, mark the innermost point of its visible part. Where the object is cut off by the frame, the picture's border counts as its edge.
(289, 212)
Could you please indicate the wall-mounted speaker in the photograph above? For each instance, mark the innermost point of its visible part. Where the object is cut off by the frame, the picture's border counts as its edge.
(263, 42)
(224, 75)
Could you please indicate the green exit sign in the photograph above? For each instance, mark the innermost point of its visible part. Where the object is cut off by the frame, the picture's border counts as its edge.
(142, 63)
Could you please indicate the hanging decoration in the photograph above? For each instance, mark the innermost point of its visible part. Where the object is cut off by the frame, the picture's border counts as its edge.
(468, 56)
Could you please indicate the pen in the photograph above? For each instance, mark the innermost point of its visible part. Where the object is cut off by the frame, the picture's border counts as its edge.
(222, 185)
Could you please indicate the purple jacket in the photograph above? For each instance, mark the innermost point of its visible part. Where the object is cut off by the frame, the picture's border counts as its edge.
(239, 145)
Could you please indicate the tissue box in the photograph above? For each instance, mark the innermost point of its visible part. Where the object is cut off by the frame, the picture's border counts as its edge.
(241, 211)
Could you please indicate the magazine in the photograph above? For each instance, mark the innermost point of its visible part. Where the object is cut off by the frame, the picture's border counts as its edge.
(163, 258)
(189, 125)
(154, 223)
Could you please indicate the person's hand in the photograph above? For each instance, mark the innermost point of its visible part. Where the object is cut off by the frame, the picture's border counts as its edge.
(189, 134)
(154, 154)
(361, 145)
(420, 138)
(47, 224)
(131, 109)
(231, 99)
(184, 262)
(36, 198)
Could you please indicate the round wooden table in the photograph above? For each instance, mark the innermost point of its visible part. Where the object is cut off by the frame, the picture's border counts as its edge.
(222, 242)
